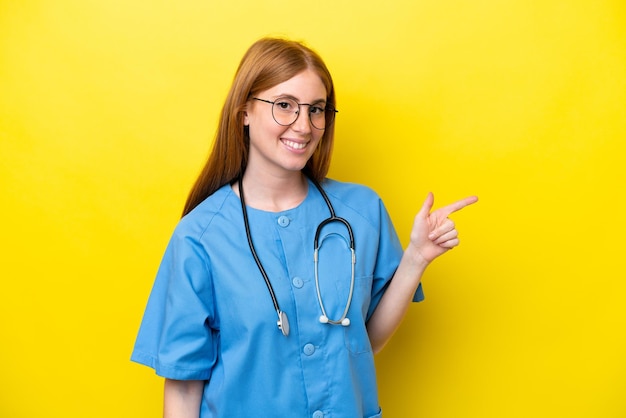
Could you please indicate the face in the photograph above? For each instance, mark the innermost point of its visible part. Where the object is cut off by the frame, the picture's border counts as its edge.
(281, 149)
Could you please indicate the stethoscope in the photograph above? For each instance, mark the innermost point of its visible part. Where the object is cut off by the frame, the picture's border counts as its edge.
(283, 321)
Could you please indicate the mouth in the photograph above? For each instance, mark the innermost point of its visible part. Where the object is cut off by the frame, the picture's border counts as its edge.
(297, 146)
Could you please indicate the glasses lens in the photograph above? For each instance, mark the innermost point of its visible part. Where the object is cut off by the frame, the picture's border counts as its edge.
(317, 114)
(285, 111)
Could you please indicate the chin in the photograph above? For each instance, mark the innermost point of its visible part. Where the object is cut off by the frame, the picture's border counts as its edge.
(295, 166)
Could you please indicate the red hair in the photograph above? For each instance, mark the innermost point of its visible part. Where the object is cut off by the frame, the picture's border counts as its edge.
(268, 62)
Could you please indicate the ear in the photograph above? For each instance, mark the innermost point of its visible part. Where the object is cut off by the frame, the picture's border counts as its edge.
(246, 122)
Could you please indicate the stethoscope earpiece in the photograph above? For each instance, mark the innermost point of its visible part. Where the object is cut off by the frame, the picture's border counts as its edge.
(344, 322)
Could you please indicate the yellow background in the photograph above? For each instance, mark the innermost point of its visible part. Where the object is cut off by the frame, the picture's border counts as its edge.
(107, 109)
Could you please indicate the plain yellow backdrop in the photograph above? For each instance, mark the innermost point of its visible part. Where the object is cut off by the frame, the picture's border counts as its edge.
(107, 111)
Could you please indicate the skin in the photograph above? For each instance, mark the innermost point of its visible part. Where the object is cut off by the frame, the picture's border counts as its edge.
(181, 398)
(273, 181)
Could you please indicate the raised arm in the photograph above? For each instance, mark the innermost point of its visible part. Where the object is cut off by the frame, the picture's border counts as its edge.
(432, 235)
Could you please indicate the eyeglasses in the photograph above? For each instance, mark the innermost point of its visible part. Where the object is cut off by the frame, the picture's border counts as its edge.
(285, 112)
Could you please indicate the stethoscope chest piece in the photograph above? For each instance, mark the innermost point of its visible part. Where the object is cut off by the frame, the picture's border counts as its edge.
(283, 323)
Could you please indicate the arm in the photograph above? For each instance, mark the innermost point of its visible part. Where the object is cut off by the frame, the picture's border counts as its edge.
(433, 234)
(181, 398)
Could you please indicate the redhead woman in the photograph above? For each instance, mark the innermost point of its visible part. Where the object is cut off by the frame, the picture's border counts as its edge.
(279, 284)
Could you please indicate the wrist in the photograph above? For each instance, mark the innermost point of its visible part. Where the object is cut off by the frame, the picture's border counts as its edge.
(415, 257)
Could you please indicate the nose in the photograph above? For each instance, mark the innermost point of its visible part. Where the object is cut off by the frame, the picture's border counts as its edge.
(302, 123)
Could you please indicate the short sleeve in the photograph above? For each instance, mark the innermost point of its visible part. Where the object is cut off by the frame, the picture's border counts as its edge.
(419, 294)
(388, 258)
(175, 337)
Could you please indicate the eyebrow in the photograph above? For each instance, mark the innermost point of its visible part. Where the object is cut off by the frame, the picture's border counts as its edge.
(294, 98)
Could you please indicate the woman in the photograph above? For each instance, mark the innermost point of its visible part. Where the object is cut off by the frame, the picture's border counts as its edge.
(262, 307)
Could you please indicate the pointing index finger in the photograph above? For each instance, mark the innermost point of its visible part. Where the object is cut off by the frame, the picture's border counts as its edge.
(458, 205)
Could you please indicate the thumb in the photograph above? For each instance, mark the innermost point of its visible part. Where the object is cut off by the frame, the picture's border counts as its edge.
(427, 205)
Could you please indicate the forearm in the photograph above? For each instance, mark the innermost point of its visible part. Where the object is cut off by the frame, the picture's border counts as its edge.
(397, 298)
(181, 398)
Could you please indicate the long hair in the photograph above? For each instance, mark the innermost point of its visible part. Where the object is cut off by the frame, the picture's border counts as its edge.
(268, 62)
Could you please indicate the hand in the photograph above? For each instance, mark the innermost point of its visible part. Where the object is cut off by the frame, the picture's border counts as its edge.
(434, 233)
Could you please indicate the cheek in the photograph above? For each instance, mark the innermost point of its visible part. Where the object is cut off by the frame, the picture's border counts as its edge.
(260, 129)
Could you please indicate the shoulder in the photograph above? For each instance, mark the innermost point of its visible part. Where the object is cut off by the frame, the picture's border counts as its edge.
(362, 201)
(196, 222)
(350, 193)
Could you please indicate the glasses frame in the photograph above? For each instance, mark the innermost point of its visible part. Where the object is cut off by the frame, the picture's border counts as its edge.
(328, 110)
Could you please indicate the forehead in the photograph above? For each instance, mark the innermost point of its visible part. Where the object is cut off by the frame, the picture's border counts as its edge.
(306, 86)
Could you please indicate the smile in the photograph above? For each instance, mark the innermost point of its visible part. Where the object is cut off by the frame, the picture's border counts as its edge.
(295, 145)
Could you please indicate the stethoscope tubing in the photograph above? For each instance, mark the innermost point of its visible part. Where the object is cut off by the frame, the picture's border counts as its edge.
(283, 322)
(324, 318)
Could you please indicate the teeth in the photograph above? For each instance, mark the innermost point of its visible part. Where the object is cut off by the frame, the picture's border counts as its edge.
(294, 145)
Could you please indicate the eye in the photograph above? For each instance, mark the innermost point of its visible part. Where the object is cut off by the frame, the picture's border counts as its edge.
(285, 105)
(316, 110)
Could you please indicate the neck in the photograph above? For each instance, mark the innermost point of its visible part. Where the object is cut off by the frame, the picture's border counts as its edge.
(274, 194)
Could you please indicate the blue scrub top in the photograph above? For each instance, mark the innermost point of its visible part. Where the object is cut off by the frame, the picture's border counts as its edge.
(210, 316)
